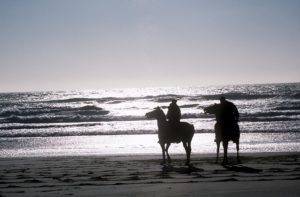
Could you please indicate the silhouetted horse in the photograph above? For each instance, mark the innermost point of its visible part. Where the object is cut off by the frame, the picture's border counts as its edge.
(167, 134)
(224, 132)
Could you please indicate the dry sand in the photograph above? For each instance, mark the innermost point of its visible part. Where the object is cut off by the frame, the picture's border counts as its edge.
(264, 174)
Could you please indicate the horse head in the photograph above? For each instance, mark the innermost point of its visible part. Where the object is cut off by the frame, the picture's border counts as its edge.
(157, 113)
(212, 109)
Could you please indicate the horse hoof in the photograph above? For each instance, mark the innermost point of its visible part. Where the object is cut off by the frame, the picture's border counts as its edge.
(162, 163)
(239, 161)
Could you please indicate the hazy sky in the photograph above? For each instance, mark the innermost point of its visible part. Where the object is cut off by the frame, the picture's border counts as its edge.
(91, 44)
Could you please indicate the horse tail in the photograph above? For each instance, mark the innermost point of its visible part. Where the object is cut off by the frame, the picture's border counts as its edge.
(193, 129)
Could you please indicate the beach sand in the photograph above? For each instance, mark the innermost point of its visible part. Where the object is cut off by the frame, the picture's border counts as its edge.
(261, 174)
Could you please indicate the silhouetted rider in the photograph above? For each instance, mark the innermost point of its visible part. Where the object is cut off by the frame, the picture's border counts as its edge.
(229, 114)
(174, 113)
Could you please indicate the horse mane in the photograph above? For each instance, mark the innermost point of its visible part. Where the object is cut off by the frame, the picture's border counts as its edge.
(161, 113)
(213, 109)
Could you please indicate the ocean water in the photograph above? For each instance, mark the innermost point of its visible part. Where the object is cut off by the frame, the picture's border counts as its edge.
(101, 122)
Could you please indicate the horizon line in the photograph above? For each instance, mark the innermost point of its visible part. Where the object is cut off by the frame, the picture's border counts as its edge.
(124, 88)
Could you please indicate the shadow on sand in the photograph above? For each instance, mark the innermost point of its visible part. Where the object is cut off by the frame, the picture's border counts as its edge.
(241, 168)
(181, 170)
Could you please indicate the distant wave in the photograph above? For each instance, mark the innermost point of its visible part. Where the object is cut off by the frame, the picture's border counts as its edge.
(115, 100)
(43, 126)
(85, 110)
(93, 114)
(296, 96)
(267, 119)
(289, 108)
(272, 113)
(71, 100)
(164, 98)
(72, 133)
(189, 106)
(109, 100)
(238, 96)
(53, 119)
(68, 119)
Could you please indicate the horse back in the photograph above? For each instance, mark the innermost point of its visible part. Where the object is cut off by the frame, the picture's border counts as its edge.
(185, 125)
(177, 133)
(187, 129)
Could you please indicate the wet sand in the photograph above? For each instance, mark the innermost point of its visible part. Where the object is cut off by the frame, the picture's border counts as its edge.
(262, 174)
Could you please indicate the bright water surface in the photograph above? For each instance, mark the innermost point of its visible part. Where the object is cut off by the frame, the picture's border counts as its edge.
(100, 122)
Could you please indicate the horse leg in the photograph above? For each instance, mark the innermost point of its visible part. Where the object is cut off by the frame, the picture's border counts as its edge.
(218, 150)
(163, 153)
(167, 151)
(189, 152)
(237, 152)
(186, 151)
(218, 135)
(225, 146)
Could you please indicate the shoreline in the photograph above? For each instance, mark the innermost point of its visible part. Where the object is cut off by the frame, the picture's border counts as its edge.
(267, 174)
(145, 156)
(140, 145)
